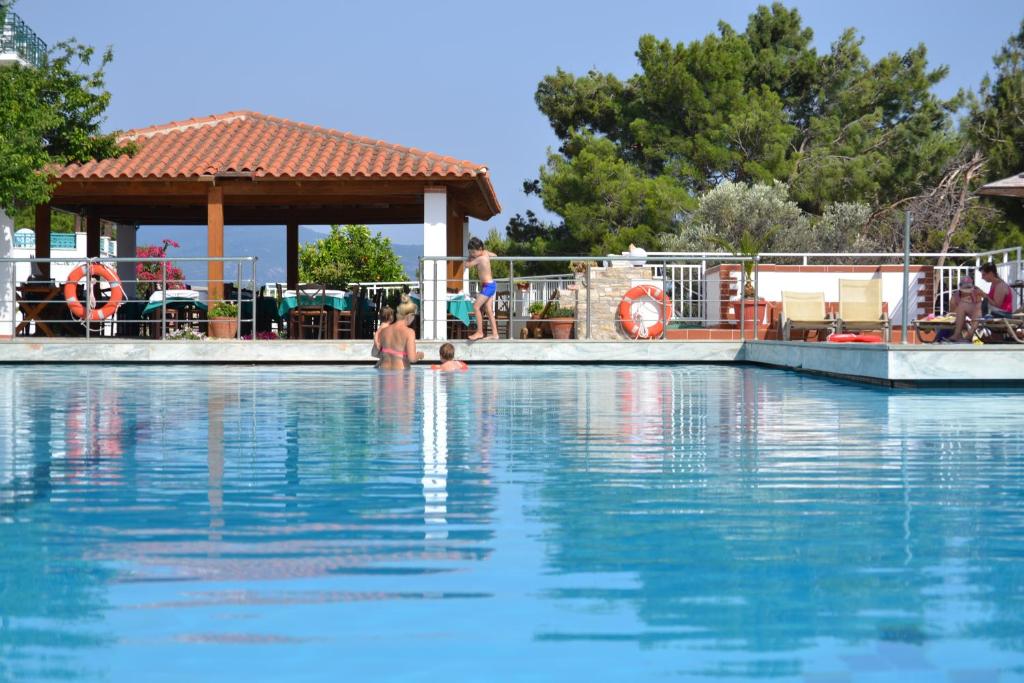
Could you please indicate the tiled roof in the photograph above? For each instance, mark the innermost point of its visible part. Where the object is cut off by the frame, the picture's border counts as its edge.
(244, 142)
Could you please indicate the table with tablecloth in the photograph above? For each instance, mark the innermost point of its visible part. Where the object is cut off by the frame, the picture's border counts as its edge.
(460, 306)
(333, 299)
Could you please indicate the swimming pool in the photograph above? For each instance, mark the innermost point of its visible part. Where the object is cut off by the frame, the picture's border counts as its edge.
(510, 523)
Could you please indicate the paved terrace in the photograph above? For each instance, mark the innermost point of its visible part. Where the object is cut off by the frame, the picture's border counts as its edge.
(889, 365)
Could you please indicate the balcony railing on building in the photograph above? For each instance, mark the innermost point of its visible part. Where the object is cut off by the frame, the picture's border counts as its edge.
(18, 42)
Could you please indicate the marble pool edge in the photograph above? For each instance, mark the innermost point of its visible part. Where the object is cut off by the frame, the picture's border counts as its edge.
(881, 364)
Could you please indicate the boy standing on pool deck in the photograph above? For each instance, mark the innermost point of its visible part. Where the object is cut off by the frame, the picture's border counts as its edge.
(480, 259)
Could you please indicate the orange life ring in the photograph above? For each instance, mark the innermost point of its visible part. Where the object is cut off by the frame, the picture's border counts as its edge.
(855, 338)
(635, 325)
(95, 270)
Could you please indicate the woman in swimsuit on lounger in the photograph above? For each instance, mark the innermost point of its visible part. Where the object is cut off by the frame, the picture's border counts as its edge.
(398, 340)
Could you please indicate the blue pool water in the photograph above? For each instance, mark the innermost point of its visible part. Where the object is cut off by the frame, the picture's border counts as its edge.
(509, 523)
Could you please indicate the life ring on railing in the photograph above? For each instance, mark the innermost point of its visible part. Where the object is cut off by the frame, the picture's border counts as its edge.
(95, 270)
(855, 338)
(643, 312)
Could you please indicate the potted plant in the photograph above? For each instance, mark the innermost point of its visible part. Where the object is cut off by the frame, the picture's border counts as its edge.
(750, 247)
(224, 321)
(560, 321)
(536, 310)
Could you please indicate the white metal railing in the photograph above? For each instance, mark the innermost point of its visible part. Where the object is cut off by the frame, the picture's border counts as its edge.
(111, 303)
(677, 280)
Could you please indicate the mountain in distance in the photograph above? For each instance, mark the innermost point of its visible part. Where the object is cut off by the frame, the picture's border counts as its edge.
(265, 242)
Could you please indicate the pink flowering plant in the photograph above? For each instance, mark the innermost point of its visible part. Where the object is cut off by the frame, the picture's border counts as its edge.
(151, 273)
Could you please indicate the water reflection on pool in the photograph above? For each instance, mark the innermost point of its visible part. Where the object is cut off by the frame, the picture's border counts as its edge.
(510, 523)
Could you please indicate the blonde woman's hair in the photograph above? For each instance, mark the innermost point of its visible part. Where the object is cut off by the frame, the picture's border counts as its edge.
(407, 307)
(387, 315)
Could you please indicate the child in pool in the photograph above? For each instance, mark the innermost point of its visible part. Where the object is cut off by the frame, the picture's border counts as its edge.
(480, 259)
(448, 362)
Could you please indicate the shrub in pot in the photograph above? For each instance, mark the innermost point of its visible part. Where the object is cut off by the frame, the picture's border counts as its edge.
(560, 321)
(224, 321)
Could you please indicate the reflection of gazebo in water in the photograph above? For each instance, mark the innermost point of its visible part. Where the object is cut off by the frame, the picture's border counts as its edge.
(246, 168)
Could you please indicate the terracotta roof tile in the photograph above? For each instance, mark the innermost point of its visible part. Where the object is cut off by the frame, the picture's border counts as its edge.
(249, 142)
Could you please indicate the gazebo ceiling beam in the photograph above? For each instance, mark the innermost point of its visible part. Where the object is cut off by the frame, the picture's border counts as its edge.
(258, 216)
(74, 195)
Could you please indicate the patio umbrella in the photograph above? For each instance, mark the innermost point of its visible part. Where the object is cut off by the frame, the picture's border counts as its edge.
(1007, 187)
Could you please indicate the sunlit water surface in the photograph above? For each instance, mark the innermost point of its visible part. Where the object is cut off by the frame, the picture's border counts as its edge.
(509, 523)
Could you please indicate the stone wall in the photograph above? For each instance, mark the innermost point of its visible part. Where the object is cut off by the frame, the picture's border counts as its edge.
(607, 287)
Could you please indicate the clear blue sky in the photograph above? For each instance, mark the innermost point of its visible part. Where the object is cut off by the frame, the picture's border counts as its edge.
(452, 77)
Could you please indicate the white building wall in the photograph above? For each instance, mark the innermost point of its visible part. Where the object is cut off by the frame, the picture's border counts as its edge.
(6, 284)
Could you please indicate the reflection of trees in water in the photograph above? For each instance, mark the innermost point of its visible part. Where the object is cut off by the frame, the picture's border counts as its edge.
(776, 509)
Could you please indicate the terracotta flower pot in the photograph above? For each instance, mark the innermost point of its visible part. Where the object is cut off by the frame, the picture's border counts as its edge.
(224, 328)
(748, 312)
(561, 328)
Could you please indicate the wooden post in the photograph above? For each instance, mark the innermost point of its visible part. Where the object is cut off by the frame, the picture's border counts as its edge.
(215, 242)
(456, 247)
(292, 253)
(92, 234)
(43, 237)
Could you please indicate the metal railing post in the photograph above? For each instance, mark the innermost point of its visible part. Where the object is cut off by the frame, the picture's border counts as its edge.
(14, 297)
(589, 308)
(255, 299)
(665, 312)
(88, 297)
(511, 301)
(757, 273)
(163, 300)
(905, 313)
(238, 294)
(743, 301)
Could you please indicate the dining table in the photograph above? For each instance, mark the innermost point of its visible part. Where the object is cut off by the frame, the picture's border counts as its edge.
(460, 306)
(336, 299)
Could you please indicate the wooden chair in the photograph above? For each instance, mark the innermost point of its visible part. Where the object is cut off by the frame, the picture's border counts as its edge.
(345, 323)
(502, 314)
(308, 320)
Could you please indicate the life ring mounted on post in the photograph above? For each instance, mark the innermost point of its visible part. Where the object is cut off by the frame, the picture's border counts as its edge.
(97, 270)
(643, 312)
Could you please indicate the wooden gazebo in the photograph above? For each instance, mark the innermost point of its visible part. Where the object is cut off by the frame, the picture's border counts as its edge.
(247, 168)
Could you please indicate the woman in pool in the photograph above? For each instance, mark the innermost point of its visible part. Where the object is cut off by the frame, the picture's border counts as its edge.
(387, 316)
(397, 341)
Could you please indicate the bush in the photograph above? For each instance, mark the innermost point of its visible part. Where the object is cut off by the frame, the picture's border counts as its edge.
(224, 310)
(559, 312)
(536, 308)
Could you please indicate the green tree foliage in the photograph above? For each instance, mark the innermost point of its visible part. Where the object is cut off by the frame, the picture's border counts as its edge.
(757, 106)
(996, 128)
(349, 254)
(50, 116)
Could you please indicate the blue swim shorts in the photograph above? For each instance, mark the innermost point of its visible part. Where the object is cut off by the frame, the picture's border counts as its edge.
(488, 289)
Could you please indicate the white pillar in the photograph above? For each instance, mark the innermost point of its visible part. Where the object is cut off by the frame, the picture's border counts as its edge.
(433, 317)
(126, 248)
(6, 276)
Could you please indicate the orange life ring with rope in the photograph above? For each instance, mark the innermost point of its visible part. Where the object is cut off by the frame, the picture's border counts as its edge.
(102, 272)
(643, 312)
